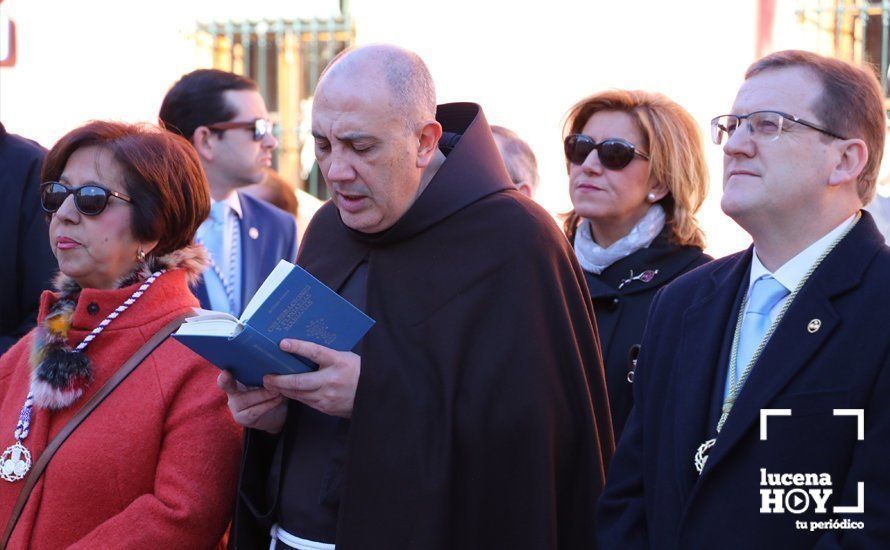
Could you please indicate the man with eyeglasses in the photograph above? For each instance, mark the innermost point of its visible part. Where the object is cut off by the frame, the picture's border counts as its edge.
(765, 371)
(224, 116)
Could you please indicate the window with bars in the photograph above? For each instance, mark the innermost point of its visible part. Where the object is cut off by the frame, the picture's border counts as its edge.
(285, 57)
(855, 30)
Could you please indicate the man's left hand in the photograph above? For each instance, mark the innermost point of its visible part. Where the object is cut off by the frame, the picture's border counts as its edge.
(331, 389)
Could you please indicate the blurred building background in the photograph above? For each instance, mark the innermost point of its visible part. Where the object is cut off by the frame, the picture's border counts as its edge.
(68, 62)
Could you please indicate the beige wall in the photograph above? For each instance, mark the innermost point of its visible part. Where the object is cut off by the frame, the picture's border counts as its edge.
(103, 59)
(85, 59)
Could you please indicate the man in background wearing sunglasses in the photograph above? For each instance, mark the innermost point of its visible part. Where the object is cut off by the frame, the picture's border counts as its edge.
(224, 116)
(28, 263)
(775, 361)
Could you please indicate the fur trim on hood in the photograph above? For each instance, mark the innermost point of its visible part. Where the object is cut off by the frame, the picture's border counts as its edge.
(59, 374)
(193, 259)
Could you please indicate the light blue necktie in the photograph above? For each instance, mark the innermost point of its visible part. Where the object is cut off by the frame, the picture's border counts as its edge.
(764, 295)
(213, 235)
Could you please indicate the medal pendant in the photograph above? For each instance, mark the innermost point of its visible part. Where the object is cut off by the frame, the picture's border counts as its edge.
(15, 462)
(701, 455)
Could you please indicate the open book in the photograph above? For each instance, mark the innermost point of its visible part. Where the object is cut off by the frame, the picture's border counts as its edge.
(290, 303)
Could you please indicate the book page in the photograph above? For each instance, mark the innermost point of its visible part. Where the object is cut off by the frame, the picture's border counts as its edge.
(274, 279)
(202, 315)
(211, 326)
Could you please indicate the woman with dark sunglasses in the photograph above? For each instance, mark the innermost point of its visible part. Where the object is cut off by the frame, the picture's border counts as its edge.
(637, 176)
(155, 463)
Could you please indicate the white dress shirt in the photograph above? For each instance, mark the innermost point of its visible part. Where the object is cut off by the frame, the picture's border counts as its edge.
(794, 270)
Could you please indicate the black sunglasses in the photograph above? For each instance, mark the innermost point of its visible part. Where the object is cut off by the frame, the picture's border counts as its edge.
(260, 127)
(614, 153)
(90, 200)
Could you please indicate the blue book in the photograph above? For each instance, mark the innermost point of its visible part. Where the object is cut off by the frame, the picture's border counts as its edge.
(290, 303)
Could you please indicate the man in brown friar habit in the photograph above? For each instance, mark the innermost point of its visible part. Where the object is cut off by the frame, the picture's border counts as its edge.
(474, 413)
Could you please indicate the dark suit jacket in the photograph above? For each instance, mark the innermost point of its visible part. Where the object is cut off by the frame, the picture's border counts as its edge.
(276, 239)
(655, 499)
(621, 313)
(28, 263)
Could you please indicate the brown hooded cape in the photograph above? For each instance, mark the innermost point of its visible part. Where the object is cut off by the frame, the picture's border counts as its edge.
(481, 418)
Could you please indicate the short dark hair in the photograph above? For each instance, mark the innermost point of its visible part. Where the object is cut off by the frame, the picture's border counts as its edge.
(852, 104)
(162, 174)
(197, 100)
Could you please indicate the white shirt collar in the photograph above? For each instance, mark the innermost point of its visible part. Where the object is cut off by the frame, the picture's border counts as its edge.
(234, 203)
(795, 269)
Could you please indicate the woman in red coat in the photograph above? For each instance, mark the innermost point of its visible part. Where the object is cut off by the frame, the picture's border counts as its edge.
(155, 465)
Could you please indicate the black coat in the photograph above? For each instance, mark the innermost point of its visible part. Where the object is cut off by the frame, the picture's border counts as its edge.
(473, 424)
(28, 264)
(621, 312)
(830, 351)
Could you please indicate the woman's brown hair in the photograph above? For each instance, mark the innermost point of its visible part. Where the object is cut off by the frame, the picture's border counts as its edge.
(676, 155)
(162, 174)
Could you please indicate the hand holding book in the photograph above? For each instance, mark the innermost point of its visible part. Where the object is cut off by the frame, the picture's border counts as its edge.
(256, 408)
(331, 389)
(290, 304)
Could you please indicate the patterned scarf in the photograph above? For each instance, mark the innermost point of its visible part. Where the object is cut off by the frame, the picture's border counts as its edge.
(60, 375)
(596, 259)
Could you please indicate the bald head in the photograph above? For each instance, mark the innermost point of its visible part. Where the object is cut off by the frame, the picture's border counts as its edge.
(376, 135)
(406, 77)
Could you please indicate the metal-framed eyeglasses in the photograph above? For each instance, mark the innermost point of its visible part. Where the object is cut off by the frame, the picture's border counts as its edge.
(764, 126)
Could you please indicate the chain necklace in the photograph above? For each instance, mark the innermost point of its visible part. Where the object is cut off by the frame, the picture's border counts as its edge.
(701, 454)
(227, 282)
(15, 461)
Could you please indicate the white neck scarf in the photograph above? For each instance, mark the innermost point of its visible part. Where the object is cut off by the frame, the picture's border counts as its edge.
(595, 258)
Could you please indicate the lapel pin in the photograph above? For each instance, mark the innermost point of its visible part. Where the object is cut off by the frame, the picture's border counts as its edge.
(814, 326)
(254, 233)
(644, 277)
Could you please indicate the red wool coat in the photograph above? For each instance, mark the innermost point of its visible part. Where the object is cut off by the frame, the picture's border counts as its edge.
(155, 465)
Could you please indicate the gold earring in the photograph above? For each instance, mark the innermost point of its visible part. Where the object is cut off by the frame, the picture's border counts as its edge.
(140, 255)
